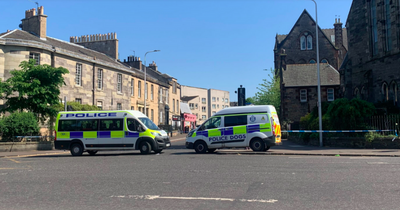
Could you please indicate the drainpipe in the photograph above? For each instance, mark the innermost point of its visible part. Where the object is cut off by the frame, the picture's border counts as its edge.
(94, 83)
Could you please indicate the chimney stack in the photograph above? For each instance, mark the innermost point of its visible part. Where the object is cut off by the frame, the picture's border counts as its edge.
(135, 62)
(35, 24)
(338, 33)
(104, 43)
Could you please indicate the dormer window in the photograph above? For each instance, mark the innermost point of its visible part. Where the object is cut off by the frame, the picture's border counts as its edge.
(306, 41)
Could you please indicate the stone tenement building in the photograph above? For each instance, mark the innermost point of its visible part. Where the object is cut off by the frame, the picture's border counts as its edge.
(96, 75)
(295, 56)
(370, 70)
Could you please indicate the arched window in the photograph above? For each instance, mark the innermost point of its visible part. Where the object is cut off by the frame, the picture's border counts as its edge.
(306, 41)
(385, 91)
(301, 61)
(290, 61)
(393, 92)
(312, 61)
(309, 42)
(324, 61)
(356, 93)
(303, 42)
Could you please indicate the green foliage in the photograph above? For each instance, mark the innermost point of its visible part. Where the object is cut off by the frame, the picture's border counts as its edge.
(19, 124)
(268, 92)
(311, 120)
(76, 106)
(35, 88)
(344, 114)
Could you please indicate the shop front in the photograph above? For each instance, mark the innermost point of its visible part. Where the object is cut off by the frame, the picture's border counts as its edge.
(189, 122)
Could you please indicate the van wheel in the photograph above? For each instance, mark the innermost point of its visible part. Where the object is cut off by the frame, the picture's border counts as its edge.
(76, 149)
(267, 148)
(200, 147)
(211, 150)
(145, 147)
(257, 145)
(92, 152)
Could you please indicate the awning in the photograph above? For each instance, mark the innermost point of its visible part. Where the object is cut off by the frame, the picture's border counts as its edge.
(189, 117)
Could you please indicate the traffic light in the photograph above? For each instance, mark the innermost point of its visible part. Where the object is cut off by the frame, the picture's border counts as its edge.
(241, 96)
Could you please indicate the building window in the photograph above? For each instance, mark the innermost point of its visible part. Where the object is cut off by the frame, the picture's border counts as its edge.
(119, 80)
(100, 105)
(78, 75)
(173, 105)
(203, 100)
(374, 29)
(213, 106)
(356, 93)
(385, 91)
(312, 61)
(132, 87)
(78, 100)
(100, 79)
(203, 117)
(214, 112)
(166, 96)
(197, 106)
(306, 41)
(217, 106)
(152, 92)
(139, 89)
(174, 87)
(145, 91)
(331, 94)
(388, 26)
(119, 106)
(226, 106)
(191, 106)
(213, 99)
(132, 108)
(303, 95)
(152, 115)
(36, 57)
(222, 106)
(324, 61)
(161, 94)
(177, 106)
(217, 98)
(160, 117)
(226, 100)
(203, 109)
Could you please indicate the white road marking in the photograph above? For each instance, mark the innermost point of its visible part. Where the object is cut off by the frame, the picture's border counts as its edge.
(377, 163)
(153, 197)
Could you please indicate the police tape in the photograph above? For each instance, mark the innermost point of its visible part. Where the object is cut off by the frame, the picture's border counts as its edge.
(337, 131)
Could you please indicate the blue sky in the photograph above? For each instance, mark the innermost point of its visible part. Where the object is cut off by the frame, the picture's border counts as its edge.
(219, 44)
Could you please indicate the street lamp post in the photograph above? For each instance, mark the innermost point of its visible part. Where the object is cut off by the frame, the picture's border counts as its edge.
(319, 79)
(145, 86)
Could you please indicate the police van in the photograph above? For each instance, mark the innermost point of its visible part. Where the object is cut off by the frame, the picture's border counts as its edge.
(256, 127)
(94, 131)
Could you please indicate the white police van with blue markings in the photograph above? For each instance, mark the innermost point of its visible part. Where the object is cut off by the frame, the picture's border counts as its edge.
(256, 127)
(93, 131)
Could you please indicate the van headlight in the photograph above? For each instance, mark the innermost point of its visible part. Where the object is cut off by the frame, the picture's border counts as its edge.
(155, 134)
(190, 133)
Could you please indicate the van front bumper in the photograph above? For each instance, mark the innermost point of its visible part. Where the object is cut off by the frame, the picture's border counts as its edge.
(162, 142)
(189, 145)
(270, 141)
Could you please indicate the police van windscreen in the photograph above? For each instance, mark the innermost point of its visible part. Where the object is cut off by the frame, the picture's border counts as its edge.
(148, 123)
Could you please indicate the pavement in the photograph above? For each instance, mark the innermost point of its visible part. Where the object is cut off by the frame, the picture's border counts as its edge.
(287, 148)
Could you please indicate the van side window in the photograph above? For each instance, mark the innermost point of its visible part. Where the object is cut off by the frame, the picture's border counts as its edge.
(133, 125)
(212, 123)
(77, 125)
(235, 120)
(111, 125)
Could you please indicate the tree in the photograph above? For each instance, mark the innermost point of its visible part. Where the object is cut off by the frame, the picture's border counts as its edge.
(19, 124)
(269, 92)
(34, 88)
(76, 106)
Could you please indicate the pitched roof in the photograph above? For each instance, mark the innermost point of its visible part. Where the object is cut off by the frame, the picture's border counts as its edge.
(331, 31)
(64, 46)
(327, 32)
(300, 75)
(188, 98)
